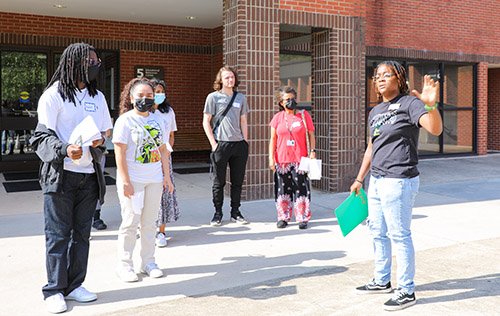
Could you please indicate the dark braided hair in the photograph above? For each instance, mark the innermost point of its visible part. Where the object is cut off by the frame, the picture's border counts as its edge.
(165, 106)
(125, 103)
(73, 68)
(400, 73)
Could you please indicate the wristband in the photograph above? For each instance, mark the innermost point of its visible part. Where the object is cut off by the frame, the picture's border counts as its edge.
(431, 108)
(313, 150)
(359, 181)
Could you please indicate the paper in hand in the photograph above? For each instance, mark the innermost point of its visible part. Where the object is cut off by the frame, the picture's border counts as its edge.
(83, 135)
(85, 132)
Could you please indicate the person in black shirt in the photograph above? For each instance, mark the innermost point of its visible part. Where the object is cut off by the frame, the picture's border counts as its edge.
(392, 158)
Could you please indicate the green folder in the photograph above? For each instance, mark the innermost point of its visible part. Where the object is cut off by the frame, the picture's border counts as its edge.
(352, 212)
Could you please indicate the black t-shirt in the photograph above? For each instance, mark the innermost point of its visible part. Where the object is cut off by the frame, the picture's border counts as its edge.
(394, 130)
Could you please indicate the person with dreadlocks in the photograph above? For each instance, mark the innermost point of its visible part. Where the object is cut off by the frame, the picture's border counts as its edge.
(70, 174)
(392, 158)
(142, 170)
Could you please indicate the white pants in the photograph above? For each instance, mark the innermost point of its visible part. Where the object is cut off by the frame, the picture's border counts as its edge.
(146, 221)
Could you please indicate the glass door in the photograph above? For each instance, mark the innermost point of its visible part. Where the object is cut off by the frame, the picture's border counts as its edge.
(23, 79)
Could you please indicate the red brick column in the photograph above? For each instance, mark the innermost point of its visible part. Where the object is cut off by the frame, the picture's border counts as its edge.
(494, 109)
(338, 103)
(251, 45)
(482, 108)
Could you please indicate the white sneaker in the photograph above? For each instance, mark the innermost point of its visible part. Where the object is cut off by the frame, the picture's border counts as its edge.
(152, 270)
(80, 294)
(56, 304)
(161, 241)
(127, 274)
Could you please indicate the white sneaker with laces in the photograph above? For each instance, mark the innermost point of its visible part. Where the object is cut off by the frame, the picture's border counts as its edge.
(152, 270)
(127, 274)
(56, 304)
(161, 241)
(80, 294)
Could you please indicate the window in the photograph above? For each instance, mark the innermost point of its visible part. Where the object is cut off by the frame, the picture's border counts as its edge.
(296, 62)
(23, 79)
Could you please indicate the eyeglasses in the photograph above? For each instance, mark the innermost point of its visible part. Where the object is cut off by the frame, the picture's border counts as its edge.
(385, 76)
(93, 62)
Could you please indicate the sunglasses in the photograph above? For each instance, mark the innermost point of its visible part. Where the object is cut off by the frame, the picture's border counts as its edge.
(93, 62)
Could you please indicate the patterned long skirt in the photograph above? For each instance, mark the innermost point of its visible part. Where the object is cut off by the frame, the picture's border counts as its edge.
(292, 191)
(169, 208)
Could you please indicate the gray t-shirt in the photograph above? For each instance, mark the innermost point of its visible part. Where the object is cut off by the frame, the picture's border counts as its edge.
(229, 129)
(394, 130)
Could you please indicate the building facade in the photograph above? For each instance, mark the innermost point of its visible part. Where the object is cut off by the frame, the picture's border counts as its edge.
(325, 49)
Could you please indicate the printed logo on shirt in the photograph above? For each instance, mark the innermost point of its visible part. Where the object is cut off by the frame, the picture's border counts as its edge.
(296, 124)
(384, 119)
(149, 150)
(90, 107)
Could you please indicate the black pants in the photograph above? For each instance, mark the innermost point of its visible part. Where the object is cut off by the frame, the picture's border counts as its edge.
(68, 219)
(236, 154)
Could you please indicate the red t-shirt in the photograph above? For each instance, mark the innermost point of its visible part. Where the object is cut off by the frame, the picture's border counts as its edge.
(295, 132)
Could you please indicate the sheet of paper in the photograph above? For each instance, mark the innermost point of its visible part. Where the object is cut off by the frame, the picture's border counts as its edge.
(87, 130)
(304, 164)
(83, 135)
(138, 201)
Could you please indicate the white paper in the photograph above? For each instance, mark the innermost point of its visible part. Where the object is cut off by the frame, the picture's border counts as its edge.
(315, 169)
(169, 148)
(138, 201)
(83, 135)
(304, 164)
(87, 130)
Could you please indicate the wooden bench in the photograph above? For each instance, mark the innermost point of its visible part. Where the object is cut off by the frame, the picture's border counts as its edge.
(191, 140)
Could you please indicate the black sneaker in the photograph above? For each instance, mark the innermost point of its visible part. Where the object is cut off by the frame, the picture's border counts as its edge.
(238, 218)
(372, 287)
(399, 301)
(302, 225)
(216, 220)
(281, 224)
(99, 224)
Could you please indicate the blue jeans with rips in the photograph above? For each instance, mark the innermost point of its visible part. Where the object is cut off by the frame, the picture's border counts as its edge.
(390, 204)
(68, 219)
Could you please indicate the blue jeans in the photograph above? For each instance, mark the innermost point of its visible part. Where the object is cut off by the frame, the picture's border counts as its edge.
(68, 219)
(390, 204)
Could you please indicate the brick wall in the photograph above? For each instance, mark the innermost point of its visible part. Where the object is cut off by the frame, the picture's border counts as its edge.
(494, 109)
(467, 27)
(350, 8)
(190, 56)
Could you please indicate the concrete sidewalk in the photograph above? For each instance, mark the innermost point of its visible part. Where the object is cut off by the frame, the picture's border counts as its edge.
(259, 270)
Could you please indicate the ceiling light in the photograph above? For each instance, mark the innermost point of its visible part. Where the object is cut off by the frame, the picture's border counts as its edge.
(59, 6)
(191, 17)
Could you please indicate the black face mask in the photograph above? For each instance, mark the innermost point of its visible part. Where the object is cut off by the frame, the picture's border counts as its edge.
(291, 104)
(93, 71)
(144, 104)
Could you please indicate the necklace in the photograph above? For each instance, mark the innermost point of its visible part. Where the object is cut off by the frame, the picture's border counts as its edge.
(80, 101)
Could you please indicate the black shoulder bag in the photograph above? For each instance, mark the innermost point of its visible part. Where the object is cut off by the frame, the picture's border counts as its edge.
(219, 120)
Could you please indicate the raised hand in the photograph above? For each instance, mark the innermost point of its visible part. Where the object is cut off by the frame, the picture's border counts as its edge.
(430, 91)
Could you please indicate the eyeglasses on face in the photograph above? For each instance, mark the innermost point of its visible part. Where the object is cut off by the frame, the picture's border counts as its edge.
(93, 62)
(385, 76)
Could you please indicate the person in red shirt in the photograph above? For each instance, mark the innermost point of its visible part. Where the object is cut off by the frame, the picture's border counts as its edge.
(288, 144)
